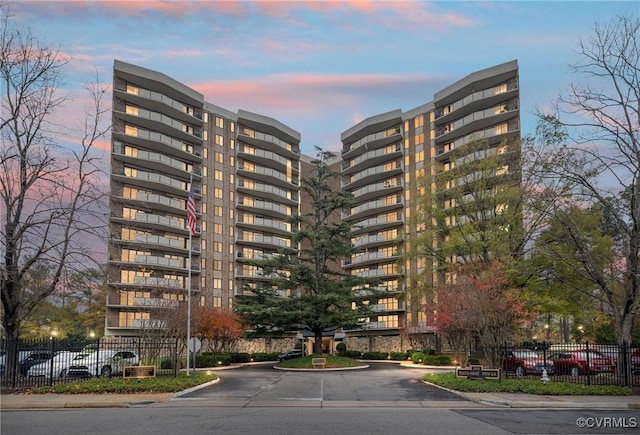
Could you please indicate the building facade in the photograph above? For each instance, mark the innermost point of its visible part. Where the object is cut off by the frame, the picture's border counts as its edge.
(245, 172)
(395, 163)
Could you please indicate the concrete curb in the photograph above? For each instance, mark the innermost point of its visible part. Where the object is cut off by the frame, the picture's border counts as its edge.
(564, 403)
(286, 369)
(196, 388)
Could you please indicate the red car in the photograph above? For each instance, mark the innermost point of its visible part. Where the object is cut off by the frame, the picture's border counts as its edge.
(574, 362)
(524, 362)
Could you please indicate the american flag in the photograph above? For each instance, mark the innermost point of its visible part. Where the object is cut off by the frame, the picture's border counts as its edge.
(191, 212)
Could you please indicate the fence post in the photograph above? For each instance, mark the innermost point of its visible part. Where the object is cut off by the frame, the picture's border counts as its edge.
(626, 369)
(53, 352)
(97, 357)
(588, 363)
(176, 360)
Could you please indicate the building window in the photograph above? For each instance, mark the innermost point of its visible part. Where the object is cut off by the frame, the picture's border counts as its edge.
(219, 122)
(130, 130)
(502, 128)
(131, 110)
(131, 89)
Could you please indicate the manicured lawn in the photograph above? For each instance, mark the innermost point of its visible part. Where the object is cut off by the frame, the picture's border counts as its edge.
(119, 385)
(531, 386)
(332, 362)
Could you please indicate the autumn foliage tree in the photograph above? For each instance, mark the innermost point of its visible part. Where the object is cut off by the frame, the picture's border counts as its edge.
(483, 308)
(218, 328)
(474, 233)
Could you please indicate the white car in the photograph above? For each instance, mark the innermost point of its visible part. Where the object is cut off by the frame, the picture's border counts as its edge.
(58, 366)
(103, 363)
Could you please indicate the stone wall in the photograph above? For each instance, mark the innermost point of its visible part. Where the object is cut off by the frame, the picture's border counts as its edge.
(372, 343)
(381, 343)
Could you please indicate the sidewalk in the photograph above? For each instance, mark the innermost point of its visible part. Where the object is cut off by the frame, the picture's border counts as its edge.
(522, 400)
(505, 400)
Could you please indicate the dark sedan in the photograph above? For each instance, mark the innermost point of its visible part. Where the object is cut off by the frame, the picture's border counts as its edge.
(294, 353)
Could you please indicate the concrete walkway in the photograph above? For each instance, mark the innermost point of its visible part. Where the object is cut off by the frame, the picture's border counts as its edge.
(506, 400)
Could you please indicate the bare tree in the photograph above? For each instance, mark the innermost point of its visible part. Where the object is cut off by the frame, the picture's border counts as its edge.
(596, 156)
(51, 194)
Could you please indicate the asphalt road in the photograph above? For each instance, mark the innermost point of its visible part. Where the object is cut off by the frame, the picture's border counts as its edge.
(381, 382)
(312, 421)
(384, 399)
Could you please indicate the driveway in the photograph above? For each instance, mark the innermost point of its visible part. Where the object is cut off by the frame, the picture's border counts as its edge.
(382, 384)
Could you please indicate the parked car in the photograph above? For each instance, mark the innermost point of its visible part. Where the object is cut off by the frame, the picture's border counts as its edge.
(613, 353)
(32, 358)
(574, 362)
(293, 353)
(58, 366)
(524, 362)
(22, 355)
(103, 363)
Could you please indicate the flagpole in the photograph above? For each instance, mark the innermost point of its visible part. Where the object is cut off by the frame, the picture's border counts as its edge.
(189, 300)
(189, 279)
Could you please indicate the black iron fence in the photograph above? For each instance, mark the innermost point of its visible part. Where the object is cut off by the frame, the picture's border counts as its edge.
(32, 363)
(585, 363)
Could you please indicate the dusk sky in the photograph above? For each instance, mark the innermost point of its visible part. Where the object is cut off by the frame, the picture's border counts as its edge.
(321, 67)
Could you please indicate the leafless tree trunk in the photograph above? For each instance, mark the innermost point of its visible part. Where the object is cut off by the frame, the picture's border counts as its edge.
(596, 133)
(51, 194)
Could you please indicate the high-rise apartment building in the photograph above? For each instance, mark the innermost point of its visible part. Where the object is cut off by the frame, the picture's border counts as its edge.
(245, 170)
(393, 161)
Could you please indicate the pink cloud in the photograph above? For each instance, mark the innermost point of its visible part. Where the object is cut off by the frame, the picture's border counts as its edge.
(400, 15)
(305, 93)
(174, 9)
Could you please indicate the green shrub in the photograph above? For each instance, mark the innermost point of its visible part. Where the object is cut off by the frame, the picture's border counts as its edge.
(352, 353)
(208, 359)
(474, 361)
(265, 356)
(240, 357)
(398, 356)
(166, 364)
(444, 360)
(437, 360)
(341, 348)
(375, 355)
(417, 357)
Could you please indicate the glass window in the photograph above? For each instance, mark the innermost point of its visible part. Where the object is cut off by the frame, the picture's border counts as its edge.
(130, 130)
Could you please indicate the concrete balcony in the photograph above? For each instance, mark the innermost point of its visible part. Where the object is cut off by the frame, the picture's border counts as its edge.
(156, 281)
